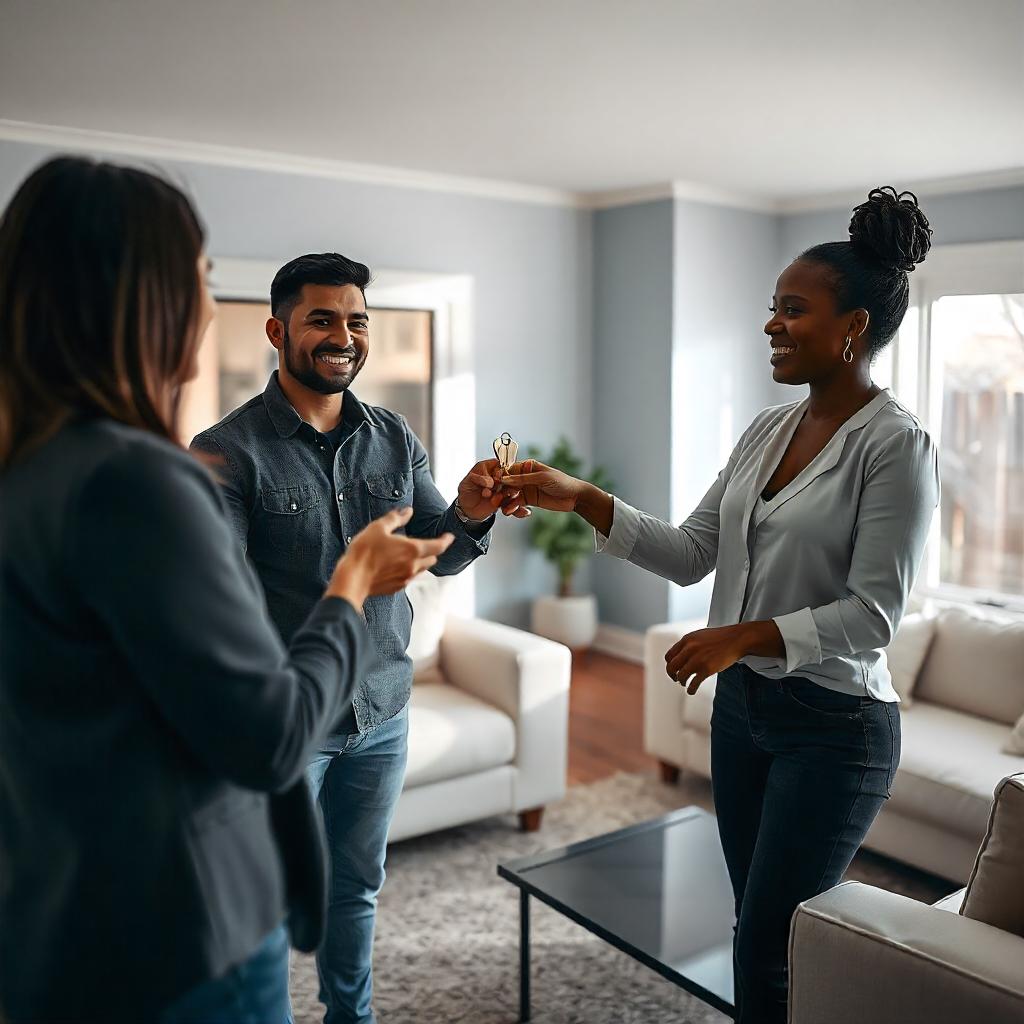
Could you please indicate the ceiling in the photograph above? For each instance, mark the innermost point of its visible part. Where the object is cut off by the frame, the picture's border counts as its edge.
(777, 100)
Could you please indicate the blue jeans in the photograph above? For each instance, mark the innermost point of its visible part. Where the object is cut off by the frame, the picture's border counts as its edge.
(358, 789)
(254, 992)
(799, 773)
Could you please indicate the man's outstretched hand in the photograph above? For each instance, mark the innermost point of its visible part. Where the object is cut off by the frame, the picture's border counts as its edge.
(480, 495)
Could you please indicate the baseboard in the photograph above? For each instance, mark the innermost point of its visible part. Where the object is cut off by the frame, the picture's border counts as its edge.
(621, 643)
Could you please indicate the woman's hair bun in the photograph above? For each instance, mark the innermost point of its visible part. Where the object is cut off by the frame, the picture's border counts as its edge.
(891, 228)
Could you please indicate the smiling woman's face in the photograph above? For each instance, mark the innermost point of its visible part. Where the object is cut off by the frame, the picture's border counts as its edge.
(807, 331)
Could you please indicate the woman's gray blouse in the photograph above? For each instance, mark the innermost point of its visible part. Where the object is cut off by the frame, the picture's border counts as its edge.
(831, 558)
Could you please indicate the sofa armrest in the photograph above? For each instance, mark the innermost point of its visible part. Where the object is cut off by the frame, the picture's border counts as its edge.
(663, 699)
(859, 954)
(527, 677)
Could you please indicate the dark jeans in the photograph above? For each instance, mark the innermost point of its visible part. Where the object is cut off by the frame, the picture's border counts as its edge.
(799, 773)
(254, 992)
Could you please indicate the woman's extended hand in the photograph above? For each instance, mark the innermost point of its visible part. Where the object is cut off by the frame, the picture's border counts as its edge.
(707, 652)
(379, 561)
(541, 486)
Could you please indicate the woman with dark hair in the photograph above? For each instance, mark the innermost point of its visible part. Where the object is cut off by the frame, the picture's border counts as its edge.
(147, 705)
(815, 529)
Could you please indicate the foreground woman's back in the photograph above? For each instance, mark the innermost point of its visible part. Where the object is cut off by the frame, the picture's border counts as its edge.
(147, 705)
(137, 721)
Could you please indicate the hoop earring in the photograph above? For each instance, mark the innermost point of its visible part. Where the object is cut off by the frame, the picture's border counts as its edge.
(848, 351)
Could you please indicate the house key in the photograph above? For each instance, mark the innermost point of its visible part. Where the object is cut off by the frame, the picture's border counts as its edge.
(505, 451)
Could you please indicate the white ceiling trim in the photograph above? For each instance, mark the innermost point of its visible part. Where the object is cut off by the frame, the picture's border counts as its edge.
(720, 197)
(89, 141)
(151, 148)
(933, 187)
(625, 196)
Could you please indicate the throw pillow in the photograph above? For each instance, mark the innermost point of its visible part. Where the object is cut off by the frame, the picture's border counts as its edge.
(1015, 744)
(426, 595)
(995, 893)
(906, 653)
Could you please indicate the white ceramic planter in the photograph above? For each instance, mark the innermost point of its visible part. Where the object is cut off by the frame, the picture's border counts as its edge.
(569, 620)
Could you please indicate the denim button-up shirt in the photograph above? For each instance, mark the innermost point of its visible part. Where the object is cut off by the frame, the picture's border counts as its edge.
(831, 558)
(296, 503)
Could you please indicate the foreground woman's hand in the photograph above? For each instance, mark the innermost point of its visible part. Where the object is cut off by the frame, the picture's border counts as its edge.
(379, 561)
(707, 652)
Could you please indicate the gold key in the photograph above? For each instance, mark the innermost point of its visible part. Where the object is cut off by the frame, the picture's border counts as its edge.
(505, 451)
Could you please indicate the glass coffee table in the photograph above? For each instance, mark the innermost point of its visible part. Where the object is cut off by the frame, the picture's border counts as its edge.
(658, 891)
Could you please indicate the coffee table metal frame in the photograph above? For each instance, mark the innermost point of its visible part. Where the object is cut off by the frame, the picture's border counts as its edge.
(510, 871)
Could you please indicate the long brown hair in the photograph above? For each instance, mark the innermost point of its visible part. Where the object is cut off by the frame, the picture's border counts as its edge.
(99, 301)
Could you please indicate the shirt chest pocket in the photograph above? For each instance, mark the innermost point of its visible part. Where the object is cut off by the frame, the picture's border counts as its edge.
(292, 518)
(387, 492)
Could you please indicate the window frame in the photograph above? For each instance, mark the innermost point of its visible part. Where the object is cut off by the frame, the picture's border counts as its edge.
(986, 268)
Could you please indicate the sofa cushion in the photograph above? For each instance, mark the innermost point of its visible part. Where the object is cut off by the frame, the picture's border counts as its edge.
(452, 733)
(907, 651)
(995, 892)
(1015, 744)
(949, 767)
(975, 665)
(426, 595)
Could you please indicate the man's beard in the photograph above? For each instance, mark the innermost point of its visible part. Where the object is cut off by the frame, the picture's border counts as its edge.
(309, 377)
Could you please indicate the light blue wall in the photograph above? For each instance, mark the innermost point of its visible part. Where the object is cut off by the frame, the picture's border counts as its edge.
(632, 361)
(681, 366)
(582, 322)
(723, 273)
(995, 215)
(531, 268)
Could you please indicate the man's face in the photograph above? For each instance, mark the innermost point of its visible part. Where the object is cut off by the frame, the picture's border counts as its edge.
(326, 340)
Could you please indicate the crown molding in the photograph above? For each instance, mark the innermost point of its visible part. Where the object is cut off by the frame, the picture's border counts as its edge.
(697, 193)
(150, 148)
(983, 182)
(690, 191)
(85, 140)
(625, 196)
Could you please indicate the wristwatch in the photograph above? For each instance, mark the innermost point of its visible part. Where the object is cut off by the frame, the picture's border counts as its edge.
(466, 519)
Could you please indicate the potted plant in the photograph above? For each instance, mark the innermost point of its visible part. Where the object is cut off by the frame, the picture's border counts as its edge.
(565, 540)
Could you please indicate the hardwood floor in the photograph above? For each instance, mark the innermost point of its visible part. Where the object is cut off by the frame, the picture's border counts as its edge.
(606, 709)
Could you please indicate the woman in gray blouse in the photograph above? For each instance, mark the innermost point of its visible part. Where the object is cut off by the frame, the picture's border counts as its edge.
(815, 529)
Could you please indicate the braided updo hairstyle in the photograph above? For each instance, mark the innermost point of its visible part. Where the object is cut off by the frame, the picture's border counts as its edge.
(889, 236)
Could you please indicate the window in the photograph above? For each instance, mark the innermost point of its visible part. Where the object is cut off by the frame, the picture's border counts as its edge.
(959, 365)
(237, 359)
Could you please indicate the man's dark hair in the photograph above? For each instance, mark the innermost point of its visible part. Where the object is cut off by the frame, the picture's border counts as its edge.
(889, 236)
(313, 268)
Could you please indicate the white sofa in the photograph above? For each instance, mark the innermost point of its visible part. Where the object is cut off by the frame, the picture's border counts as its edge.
(488, 720)
(967, 695)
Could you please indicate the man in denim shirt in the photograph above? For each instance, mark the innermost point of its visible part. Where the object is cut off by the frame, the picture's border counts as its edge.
(305, 467)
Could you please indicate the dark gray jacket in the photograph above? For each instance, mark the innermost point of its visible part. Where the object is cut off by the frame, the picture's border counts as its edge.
(147, 706)
(296, 502)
